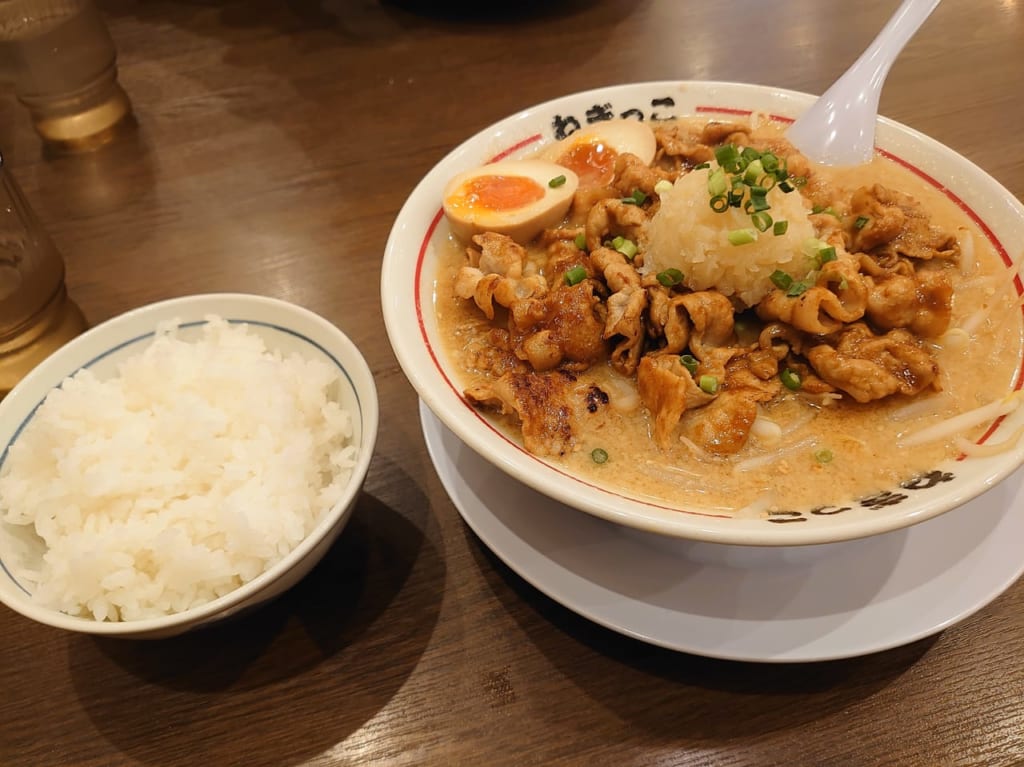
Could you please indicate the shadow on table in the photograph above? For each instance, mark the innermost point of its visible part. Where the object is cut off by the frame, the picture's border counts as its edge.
(735, 699)
(475, 12)
(289, 680)
(318, 49)
(339, 15)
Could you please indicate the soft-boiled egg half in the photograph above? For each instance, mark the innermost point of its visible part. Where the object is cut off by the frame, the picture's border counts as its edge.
(591, 152)
(519, 198)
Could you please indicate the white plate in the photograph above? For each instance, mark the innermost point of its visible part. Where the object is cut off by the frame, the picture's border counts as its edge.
(779, 604)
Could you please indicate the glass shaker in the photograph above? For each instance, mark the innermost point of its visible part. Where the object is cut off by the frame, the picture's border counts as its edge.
(36, 314)
(62, 62)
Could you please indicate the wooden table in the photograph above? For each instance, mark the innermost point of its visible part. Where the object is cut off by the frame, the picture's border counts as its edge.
(275, 144)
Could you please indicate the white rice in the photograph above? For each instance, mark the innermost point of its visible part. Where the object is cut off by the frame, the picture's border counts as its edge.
(686, 234)
(194, 470)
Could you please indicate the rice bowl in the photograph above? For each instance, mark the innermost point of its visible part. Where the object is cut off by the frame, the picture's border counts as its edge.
(190, 524)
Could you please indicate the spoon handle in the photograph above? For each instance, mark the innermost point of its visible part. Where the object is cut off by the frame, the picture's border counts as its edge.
(897, 32)
(839, 128)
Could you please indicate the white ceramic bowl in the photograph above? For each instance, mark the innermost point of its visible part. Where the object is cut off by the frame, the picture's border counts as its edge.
(407, 287)
(283, 326)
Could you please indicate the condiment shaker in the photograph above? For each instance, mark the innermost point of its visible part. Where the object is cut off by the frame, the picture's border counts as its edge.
(62, 61)
(36, 314)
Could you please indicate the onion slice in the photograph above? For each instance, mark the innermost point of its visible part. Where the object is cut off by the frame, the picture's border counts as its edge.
(964, 421)
(922, 406)
(965, 240)
(969, 448)
(749, 464)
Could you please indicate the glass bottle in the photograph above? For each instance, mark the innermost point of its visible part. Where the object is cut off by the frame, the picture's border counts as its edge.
(60, 57)
(36, 314)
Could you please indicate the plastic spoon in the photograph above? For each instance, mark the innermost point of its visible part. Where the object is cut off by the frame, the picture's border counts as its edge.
(839, 128)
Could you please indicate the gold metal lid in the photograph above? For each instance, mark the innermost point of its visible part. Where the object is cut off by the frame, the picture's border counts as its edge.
(85, 130)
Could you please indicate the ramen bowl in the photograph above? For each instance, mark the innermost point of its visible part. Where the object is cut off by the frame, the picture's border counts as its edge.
(409, 291)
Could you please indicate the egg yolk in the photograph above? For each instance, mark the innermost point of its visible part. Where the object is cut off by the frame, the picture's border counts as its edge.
(497, 193)
(592, 161)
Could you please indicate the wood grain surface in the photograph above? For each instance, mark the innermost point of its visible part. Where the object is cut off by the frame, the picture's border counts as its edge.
(275, 142)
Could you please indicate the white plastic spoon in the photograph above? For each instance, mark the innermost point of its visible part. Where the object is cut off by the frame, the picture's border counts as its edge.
(839, 128)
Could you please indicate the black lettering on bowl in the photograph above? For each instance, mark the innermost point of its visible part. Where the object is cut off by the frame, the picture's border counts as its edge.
(668, 101)
(874, 502)
(882, 500)
(928, 479)
(825, 511)
(565, 126)
(600, 113)
(782, 517)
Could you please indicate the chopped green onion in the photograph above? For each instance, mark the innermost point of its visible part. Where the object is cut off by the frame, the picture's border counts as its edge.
(556, 182)
(753, 172)
(861, 222)
(819, 252)
(825, 209)
(742, 236)
(757, 198)
(799, 181)
(637, 198)
(761, 220)
(581, 241)
(823, 456)
(781, 280)
(626, 247)
(690, 363)
(716, 183)
(843, 284)
(790, 379)
(798, 288)
(780, 227)
(742, 180)
(727, 156)
(708, 384)
(617, 242)
(770, 163)
(575, 275)
(670, 277)
(702, 166)
(811, 247)
(749, 154)
(598, 455)
(662, 187)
